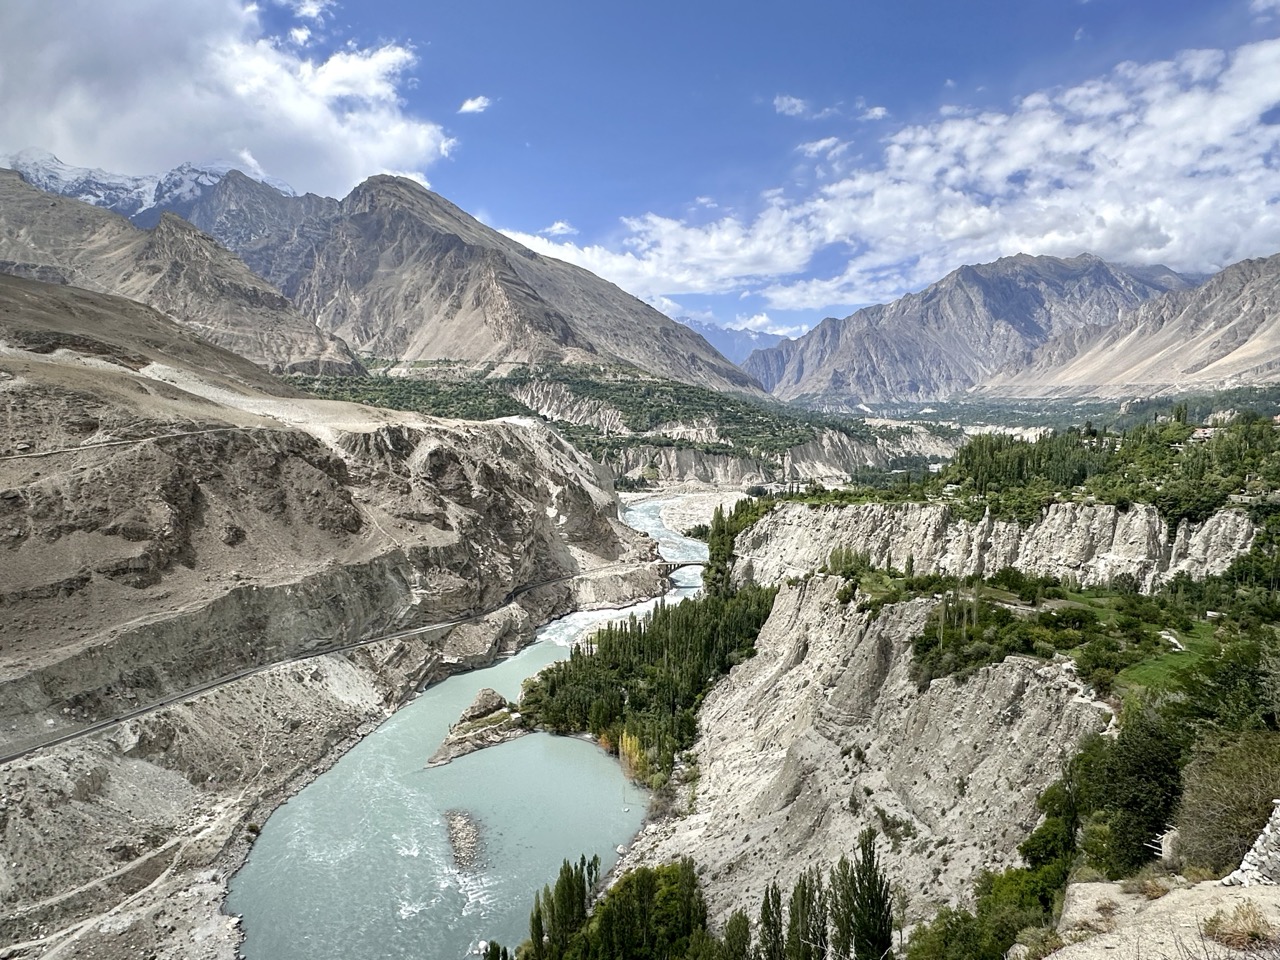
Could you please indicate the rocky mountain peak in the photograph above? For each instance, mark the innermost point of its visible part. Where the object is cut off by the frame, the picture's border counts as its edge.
(975, 321)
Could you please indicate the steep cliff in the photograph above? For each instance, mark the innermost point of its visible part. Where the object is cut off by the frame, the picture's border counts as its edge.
(1090, 542)
(823, 733)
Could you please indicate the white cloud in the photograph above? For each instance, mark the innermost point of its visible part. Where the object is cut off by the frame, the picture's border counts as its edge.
(1163, 162)
(763, 323)
(790, 106)
(203, 80)
(874, 113)
(309, 9)
(561, 228)
(475, 105)
(1264, 7)
(821, 148)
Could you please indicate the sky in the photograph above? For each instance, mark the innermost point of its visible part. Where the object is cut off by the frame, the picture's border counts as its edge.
(749, 163)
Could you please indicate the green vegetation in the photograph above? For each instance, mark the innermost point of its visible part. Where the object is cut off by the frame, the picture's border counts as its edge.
(638, 685)
(746, 427)
(464, 399)
(659, 914)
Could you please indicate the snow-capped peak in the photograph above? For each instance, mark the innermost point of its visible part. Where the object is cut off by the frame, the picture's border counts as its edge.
(130, 196)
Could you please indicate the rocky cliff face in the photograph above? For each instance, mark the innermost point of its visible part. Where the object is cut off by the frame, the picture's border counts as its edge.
(953, 334)
(173, 268)
(822, 734)
(1223, 334)
(162, 526)
(1090, 542)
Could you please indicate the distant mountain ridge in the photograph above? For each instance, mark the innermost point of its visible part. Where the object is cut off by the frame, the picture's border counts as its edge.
(1224, 333)
(956, 333)
(173, 268)
(736, 343)
(400, 273)
(142, 199)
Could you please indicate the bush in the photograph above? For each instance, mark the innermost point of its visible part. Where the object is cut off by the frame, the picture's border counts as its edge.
(1228, 789)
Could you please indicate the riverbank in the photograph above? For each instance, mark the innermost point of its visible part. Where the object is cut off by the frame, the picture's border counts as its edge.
(170, 901)
(583, 803)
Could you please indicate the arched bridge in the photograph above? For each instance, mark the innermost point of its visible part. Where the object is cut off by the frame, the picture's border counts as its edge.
(668, 567)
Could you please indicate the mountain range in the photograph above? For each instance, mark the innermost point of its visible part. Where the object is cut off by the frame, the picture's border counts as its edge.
(172, 267)
(1224, 333)
(393, 271)
(399, 273)
(956, 333)
(736, 343)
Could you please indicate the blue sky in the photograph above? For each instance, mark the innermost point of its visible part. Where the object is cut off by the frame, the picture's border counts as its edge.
(750, 163)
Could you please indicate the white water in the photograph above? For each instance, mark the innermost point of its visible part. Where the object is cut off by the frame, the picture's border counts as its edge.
(358, 864)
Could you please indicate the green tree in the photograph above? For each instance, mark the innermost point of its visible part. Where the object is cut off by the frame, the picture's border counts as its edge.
(737, 937)
(872, 903)
(772, 945)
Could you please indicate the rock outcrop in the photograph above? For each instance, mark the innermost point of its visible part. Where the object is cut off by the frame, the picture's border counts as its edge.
(822, 733)
(1090, 542)
(1262, 863)
(489, 721)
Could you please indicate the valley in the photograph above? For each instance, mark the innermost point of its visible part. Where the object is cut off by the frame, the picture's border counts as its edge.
(986, 595)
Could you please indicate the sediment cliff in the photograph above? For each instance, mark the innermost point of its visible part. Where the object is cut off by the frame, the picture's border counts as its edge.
(1090, 542)
(822, 734)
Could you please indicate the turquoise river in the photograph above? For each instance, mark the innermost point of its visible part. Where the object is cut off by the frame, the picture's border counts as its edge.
(358, 865)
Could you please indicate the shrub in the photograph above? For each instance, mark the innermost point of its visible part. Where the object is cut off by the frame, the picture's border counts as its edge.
(1244, 928)
(1228, 789)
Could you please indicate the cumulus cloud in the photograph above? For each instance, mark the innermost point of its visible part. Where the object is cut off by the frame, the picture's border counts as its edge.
(475, 105)
(790, 106)
(874, 113)
(1162, 162)
(1265, 6)
(561, 228)
(204, 80)
(308, 9)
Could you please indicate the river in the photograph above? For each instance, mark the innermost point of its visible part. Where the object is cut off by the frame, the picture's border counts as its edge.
(358, 864)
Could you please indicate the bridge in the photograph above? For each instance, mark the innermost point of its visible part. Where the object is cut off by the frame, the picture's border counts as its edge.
(668, 567)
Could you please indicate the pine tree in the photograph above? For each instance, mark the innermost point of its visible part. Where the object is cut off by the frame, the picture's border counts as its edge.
(772, 944)
(871, 904)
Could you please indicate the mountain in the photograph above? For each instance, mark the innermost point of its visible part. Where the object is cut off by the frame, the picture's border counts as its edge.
(174, 268)
(955, 333)
(1222, 334)
(401, 273)
(142, 199)
(736, 343)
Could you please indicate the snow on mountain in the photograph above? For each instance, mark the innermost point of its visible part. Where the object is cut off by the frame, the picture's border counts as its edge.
(140, 198)
(734, 342)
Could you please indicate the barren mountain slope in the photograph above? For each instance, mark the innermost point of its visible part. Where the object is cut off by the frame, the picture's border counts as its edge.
(953, 334)
(1223, 334)
(174, 268)
(400, 272)
(162, 526)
